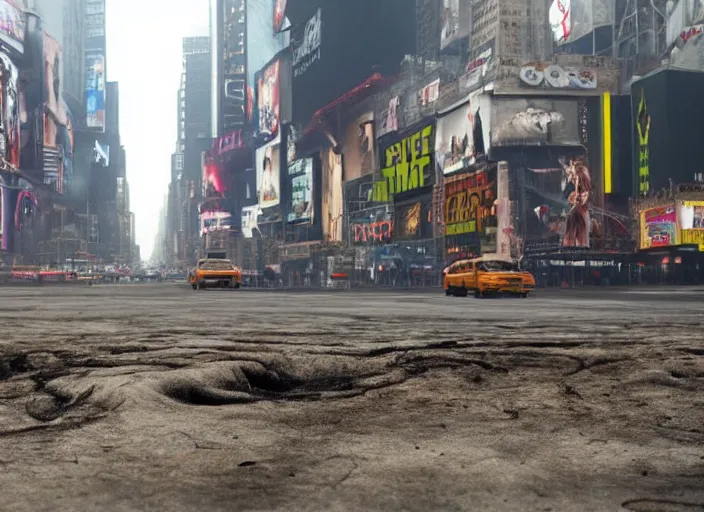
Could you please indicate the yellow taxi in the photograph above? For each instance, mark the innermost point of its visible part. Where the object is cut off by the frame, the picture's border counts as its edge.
(486, 276)
(215, 272)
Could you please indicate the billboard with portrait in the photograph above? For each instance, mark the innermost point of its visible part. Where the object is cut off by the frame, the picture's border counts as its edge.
(268, 111)
(9, 114)
(12, 24)
(658, 227)
(300, 176)
(265, 19)
(268, 165)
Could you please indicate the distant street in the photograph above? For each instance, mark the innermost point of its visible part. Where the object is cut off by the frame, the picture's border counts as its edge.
(157, 397)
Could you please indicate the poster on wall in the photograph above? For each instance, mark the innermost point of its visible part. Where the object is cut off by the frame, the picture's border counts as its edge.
(454, 21)
(463, 135)
(12, 24)
(470, 207)
(407, 162)
(268, 161)
(250, 215)
(658, 227)
(691, 223)
(9, 114)
(268, 111)
(534, 122)
(300, 174)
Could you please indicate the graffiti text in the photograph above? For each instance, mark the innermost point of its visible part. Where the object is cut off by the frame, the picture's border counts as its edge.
(372, 232)
(405, 165)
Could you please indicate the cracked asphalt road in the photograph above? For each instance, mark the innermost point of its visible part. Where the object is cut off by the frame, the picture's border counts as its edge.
(155, 397)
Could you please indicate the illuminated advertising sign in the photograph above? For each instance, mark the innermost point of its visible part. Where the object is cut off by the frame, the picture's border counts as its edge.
(406, 164)
(300, 175)
(250, 214)
(658, 227)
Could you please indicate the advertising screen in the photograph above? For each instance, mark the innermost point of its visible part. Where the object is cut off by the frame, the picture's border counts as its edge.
(101, 155)
(9, 112)
(300, 174)
(463, 135)
(214, 186)
(407, 162)
(268, 111)
(658, 227)
(95, 91)
(12, 24)
(52, 90)
(268, 164)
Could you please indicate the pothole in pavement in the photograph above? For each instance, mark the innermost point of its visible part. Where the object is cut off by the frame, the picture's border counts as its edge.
(227, 383)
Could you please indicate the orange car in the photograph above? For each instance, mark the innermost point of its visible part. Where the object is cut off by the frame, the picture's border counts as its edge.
(487, 275)
(215, 272)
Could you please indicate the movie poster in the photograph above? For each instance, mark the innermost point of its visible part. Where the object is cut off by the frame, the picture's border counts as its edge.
(300, 175)
(268, 101)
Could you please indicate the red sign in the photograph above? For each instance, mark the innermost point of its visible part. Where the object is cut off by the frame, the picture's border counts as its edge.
(372, 232)
(232, 140)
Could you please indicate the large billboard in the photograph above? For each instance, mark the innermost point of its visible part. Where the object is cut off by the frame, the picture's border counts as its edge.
(534, 122)
(57, 142)
(95, 66)
(407, 161)
(268, 165)
(300, 186)
(12, 24)
(265, 19)
(413, 217)
(667, 147)
(463, 134)
(9, 114)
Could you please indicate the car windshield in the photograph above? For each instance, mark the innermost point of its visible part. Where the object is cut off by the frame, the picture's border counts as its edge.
(498, 266)
(215, 265)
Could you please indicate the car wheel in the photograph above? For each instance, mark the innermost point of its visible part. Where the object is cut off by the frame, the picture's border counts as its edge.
(194, 286)
(237, 285)
(448, 292)
(524, 295)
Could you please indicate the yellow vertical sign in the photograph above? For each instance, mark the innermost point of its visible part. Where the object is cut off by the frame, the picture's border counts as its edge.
(606, 132)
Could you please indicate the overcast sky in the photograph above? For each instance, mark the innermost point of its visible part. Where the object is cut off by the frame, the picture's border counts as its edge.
(144, 56)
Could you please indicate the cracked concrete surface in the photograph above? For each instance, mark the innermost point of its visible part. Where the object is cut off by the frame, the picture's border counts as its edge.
(155, 397)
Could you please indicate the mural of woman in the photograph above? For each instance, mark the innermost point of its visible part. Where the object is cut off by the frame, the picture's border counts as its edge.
(577, 187)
